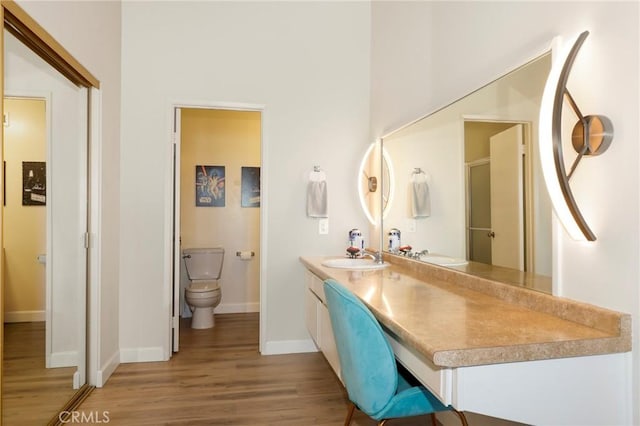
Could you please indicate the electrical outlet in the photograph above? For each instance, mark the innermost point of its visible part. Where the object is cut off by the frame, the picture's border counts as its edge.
(323, 226)
(411, 225)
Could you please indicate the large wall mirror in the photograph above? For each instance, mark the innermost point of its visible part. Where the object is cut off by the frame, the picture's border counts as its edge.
(469, 193)
(44, 223)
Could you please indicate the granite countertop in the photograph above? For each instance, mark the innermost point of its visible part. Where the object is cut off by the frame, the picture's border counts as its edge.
(455, 320)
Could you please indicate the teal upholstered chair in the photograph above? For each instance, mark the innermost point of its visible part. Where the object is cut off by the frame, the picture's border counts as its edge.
(368, 365)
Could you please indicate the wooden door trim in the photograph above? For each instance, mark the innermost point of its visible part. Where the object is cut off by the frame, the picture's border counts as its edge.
(34, 36)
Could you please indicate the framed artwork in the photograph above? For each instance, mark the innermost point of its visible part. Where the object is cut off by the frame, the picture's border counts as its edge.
(34, 183)
(250, 187)
(210, 186)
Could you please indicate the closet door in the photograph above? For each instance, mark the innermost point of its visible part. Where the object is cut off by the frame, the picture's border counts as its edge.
(57, 184)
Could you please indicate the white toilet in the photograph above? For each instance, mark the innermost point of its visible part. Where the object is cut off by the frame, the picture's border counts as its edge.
(204, 267)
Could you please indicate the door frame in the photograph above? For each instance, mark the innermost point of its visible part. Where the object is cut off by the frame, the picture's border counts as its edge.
(172, 260)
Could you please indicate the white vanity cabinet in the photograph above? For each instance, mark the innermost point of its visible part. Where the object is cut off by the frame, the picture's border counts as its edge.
(318, 321)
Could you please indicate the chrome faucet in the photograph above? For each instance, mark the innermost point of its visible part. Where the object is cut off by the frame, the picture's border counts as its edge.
(375, 255)
(417, 254)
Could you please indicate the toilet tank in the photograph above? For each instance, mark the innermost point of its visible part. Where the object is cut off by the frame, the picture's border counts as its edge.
(203, 263)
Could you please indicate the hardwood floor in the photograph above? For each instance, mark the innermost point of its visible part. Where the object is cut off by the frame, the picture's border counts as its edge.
(31, 393)
(219, 378)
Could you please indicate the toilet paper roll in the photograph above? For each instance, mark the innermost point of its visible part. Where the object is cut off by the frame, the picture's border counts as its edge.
(245, 255)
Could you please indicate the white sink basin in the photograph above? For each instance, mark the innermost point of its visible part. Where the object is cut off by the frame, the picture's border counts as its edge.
(443, 260)
(348, 263)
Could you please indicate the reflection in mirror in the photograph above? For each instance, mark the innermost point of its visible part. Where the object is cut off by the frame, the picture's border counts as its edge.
(481, 206)
(45, 165)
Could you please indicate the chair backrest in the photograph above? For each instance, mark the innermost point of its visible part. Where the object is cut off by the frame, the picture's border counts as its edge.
(367, 362)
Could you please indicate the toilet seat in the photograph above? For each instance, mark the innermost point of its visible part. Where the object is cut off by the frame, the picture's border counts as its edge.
(204, 292)
(203, 287)
(202, 297)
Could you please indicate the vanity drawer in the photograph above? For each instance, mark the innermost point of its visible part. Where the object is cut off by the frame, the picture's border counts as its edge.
(437, 380)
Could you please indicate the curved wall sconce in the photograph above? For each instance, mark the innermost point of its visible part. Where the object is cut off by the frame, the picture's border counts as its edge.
(371, 184)
(591, 135)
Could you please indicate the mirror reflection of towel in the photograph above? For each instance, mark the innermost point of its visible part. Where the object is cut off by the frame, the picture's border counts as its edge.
(317, 205)
(420, 198)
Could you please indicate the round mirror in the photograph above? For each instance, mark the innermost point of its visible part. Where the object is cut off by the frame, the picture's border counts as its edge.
(375, 183)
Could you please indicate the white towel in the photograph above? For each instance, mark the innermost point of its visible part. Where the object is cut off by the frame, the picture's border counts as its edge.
(420, 198)
(317, 205)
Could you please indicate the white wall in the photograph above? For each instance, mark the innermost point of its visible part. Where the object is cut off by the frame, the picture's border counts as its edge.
(308, 63)
(90, 31)
(401, 63)
(471, 43)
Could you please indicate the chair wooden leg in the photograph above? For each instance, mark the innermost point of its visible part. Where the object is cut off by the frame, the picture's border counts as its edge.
(463, 419)
(352, 408)
(434, 421)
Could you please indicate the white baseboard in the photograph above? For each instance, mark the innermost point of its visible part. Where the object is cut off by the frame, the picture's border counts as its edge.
(24, 316)
(107, 369)
(63, 359)
(229, 308)
(235, 308)
(281, 347)
(142, 355)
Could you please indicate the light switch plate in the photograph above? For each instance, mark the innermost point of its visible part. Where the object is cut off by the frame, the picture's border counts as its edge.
(323, 226)
(411, 225)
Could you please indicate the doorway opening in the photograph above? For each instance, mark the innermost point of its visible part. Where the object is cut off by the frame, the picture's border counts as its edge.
(217, 194)
(498, 193)
(24, 210)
